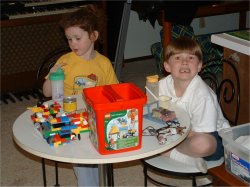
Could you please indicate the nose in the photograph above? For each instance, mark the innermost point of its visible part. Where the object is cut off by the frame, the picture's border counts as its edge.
(184, 60)
(73, 43)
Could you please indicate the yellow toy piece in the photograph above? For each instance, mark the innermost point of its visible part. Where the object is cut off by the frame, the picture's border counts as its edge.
(35, 109)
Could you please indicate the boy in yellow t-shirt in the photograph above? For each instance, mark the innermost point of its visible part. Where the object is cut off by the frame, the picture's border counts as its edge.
(83, 67)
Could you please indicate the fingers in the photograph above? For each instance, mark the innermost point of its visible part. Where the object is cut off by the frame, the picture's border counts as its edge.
(54, 68)
(61, 64)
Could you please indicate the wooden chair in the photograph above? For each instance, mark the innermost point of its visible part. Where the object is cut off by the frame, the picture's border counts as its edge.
(48, 62)
(227, 92)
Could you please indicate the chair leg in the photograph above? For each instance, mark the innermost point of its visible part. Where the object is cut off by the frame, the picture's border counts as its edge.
(194, 181)
(44, 173)
(56, 171)
(145, 175)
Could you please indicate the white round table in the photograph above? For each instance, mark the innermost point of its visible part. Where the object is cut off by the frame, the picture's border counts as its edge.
(83, 152)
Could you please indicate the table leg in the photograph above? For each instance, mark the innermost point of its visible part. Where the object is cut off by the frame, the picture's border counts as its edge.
(106, 175)
(102, 169)
(110, 175)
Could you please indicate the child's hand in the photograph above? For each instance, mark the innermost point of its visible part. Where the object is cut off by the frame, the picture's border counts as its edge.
(54, 68)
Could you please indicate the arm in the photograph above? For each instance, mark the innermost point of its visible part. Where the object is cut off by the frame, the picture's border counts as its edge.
(47, 90)
(110, 77)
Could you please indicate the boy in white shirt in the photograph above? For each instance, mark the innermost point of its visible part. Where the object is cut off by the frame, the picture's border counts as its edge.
(183, 59)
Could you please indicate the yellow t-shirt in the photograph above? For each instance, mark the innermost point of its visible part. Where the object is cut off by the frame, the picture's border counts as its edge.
(80, 73)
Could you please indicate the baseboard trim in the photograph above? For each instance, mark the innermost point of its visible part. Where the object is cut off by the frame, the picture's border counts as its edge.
(138, 59)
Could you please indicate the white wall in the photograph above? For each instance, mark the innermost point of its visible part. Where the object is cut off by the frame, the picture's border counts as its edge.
(214, 24)
(141, 35)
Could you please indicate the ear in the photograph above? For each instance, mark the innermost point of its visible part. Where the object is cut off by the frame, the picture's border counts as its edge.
(200, 66)
(166, 66)
(94, 36)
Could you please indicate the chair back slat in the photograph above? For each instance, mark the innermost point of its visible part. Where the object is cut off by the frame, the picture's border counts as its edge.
(226, 89)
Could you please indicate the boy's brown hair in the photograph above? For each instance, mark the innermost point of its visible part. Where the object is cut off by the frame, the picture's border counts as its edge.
(183, 44)
(89, 18)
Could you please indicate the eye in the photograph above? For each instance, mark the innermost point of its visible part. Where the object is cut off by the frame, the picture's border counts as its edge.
(177, 58)
(78, 38)
(191, 57)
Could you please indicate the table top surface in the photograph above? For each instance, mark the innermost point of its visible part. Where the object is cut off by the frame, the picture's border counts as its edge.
(231, 42)
(82, 151)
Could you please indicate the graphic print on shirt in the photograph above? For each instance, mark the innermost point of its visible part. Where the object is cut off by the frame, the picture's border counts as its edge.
(81, 82)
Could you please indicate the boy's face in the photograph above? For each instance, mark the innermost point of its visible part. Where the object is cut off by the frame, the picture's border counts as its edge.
(79, 40)
(183, 66)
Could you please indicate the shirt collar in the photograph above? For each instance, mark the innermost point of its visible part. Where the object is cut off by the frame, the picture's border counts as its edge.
(188, 92)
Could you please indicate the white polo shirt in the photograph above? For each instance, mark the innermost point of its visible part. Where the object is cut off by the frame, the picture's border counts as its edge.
(199, 101)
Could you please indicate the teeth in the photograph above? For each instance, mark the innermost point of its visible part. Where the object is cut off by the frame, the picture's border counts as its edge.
(184, 70)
